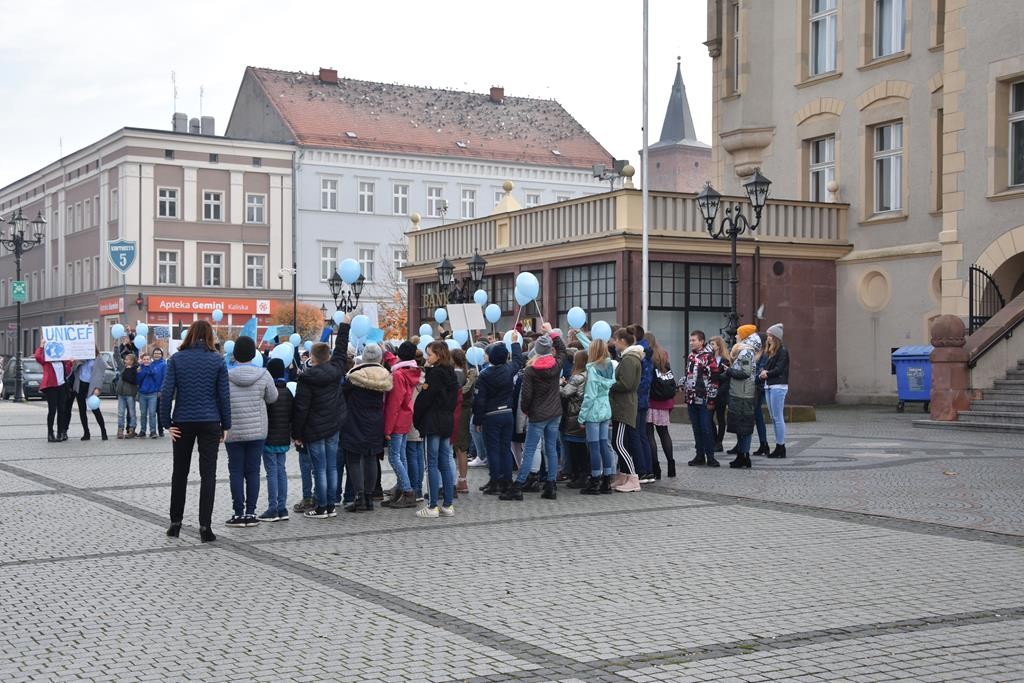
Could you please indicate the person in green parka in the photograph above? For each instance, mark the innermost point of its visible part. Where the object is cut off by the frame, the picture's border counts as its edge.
(623, 396)
(742, 389)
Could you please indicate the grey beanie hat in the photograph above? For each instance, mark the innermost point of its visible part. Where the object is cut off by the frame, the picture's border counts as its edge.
(776, 331)
(542, 347)
(372, 353)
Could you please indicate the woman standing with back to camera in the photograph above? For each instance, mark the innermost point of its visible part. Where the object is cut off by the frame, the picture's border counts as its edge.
(776, 386)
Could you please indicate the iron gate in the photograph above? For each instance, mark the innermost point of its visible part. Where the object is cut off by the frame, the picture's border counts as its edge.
(984, 298)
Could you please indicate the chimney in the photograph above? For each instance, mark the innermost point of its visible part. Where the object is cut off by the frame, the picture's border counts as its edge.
(206, 125)
(328, 75)
(193, 126)
(179, 122)
(497, 94)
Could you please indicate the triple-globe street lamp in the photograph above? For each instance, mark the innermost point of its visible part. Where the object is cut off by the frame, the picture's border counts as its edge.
(460, 291)
(19, 244)
(345, 300)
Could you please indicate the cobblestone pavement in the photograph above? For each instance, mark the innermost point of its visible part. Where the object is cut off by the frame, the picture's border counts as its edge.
(875, 552)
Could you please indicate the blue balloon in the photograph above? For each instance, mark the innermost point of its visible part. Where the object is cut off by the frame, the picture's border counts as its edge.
(577, 317)
(601, 331)
(452, 344)
(142, 330)
(184, 333)
(461, 336)
(480, 297)
(360, 326)
(229, 347)
(295, 339)
(338, 317)
(521, 298)
(508, 339)
(292, 387)
(308, 346)
(285, 352)
(440, 315)
(475, 356)
(425, 340)
(528, 284)
(349, 270)
(258, 360)
(93, 402)
(218, 315)
(492, 313)
(426, 329)
(117, 331)
(139, 341)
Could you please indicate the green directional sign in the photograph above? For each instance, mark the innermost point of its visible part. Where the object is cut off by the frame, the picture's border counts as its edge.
(19, 291)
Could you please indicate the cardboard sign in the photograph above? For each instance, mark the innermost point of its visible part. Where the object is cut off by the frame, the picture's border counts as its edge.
(69, 342)
(466, 317)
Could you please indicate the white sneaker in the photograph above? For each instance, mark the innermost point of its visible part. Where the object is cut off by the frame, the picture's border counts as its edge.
(447, 511)
(428, 512)
(477, 462)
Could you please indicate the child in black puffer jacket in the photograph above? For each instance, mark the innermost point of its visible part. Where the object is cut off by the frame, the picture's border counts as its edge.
(275, 448)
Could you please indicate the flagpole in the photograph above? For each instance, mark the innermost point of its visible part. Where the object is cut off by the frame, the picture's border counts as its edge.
(645, 214)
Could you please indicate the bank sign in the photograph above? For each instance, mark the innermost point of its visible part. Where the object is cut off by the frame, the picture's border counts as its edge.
(121, 254)
(69, 342)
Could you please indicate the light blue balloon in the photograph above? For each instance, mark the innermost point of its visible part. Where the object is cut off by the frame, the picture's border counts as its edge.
(142, 329)
(425, 340)
(184, 333)
(218, 315)
(475, 356)
(292, 387)
(295, 339)
(577, 317)
(229, 347)
(480, 297)
(349, 270)
(284, 351)
(139, 341)
(360, 326)
(601, 331)
(521, 298)
(452, 344)
(257, 360)
(528, 284)
(308, 346)
(426, 329)
(117, 331)
(440, 315)
(492, 313)
(93, 403)
(461, 336)
(338, 317)
(508, 339)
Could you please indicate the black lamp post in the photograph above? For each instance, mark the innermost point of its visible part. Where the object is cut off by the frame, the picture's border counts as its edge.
(345, 300)
(460, 291)
(733, 224)
(323, 313)
(19, 244)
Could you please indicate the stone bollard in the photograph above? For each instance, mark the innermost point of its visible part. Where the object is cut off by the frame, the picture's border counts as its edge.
(950, 374)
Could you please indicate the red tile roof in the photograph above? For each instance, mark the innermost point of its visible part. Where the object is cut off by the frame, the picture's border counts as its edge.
(407, 119)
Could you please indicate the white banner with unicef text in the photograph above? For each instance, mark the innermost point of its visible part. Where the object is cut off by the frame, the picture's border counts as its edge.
(69, 342)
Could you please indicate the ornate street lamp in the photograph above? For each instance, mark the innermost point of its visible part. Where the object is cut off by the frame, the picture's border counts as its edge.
(461, 291)
(345, 301)
(733, 224)
(19, 244)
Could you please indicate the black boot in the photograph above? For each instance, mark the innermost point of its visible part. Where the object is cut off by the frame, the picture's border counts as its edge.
(779, 452)
(514, 492)
(762, 450)
(713, 463)
(697, 461)
(591, 489)
(86, 437)
(550, 491)
(606, 484)
(532, 484)
(491, 488)
(579, 482)
(206, 534)
(742, 461)
(62, 436)
(671, 469)
(174, 529)
(734, 450)
(50, 438)
(656, 467)
(368, 503)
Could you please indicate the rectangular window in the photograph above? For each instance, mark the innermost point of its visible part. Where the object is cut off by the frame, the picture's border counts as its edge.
(328, 262)
(167, 267)
(822, 167)
(214, 158)
(167, 202)
(95, 272)
(532, 199)
(255, 271)
(213, 270)
(78, 216)
(114, 208)
(590, 287)
(366, 260)
(96, 210)
(401, 257)
(254, 208)
(888, 167)
(498, 196)
(86, 274)
(469, 203)
(69, 224)
(1017, 133)
(400, 200)
(78, 277)
(87, 214)
(824, 18)
(365, 197)
(436, 204)
(257, 161)
(734, 71)
(213, 206)
(69, 280)
(562, 198)
(328, 194)
(889, 27)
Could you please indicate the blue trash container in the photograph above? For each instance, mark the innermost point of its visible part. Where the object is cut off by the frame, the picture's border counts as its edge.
(913, 375)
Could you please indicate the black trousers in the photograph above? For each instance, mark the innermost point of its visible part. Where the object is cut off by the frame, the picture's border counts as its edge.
(208, 435)
(362, 472)
(720, 407)
(57, 408)
(83, 410)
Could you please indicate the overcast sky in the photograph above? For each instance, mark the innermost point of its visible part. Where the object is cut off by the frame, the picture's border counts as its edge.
(75, 73)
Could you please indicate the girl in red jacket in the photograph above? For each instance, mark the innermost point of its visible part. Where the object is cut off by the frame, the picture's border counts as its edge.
(405, 376)
(55, 388)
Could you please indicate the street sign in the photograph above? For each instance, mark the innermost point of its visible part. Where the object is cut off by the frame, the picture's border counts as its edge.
(19, 291)
(121, 254)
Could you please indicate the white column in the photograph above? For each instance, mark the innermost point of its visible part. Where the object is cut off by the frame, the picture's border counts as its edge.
(63, 228)
(237, 201)
(189, 200)
(281, 240)
(146, 254)
(50, 288)
(102, 277)
(189, 263)
(274, 207)
(237, 266)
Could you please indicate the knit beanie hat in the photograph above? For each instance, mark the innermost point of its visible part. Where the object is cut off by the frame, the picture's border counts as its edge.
(497, 354)
(776, 331)
(744, 331)
(753, 342)
(372, 353)
(542, 347)
(407, 351)
(275, 366)
(245, 349)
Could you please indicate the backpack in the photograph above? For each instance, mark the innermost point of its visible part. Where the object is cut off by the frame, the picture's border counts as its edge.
(663, 386)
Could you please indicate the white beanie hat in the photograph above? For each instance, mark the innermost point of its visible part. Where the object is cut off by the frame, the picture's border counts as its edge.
(776, 331)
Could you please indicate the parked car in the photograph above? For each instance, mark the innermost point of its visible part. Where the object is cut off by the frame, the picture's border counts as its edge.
(31, 378)
(109, 373)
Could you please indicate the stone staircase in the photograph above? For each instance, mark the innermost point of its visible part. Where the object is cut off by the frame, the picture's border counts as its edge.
(1001, 409)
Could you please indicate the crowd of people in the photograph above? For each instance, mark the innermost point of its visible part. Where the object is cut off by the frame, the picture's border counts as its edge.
(536, 410)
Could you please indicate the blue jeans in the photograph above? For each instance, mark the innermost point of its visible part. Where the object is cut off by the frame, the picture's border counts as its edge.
(414, 465)
(277, 481)
(440, 468)
(498, 442)
(776, 397)
(306, 472)
(396, 456)
(643, 455)
(147, 413)
(534, 432)
(126, 408)
(762, 430)
(244, 474)
(743, 443)
(478, 441)
(325, 469)
(602, 460)
(703, 436)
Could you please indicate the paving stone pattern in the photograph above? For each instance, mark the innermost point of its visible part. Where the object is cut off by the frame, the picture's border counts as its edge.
(876, 552)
